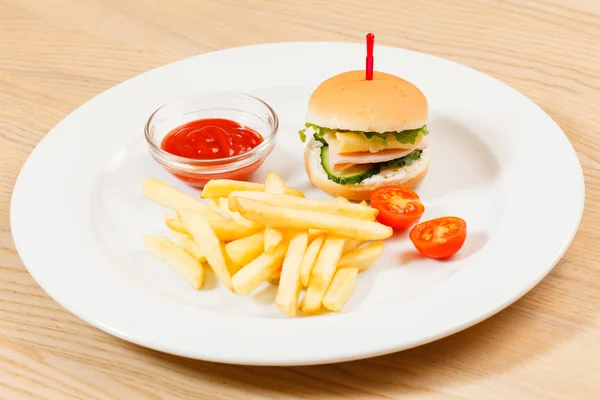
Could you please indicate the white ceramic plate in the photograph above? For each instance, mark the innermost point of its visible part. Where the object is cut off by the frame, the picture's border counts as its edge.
(498, 161)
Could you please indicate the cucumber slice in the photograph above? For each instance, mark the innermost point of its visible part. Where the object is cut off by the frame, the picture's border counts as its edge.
(350, 176)
(402, 161)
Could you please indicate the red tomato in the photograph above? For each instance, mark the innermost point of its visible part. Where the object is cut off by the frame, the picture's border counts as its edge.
(440, 237)
(399, 207)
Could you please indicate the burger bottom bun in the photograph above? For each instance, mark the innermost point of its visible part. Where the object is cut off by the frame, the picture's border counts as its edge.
(409, 176)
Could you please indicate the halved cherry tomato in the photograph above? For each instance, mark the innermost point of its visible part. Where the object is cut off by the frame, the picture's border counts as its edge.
(399, 207)
(440, 237)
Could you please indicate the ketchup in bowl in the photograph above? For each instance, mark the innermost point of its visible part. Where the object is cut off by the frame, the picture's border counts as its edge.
(217, 135)
(211, 138)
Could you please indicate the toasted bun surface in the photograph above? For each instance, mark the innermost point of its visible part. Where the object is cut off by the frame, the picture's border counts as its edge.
(409, 176)
(349, 102)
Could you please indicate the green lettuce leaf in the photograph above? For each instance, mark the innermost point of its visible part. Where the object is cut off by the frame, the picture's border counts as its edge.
(320, 139)
(375, 168)
(408, 136)
(302, 133)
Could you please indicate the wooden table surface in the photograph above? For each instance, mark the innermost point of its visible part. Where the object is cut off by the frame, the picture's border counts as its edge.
(56, 54)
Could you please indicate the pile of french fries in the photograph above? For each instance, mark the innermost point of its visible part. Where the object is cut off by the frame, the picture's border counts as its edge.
(250, 233)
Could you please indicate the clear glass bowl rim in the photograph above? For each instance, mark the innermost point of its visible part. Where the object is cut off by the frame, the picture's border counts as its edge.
(225, 160)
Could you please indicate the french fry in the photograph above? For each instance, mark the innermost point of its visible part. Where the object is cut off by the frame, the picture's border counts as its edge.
(209, 244)
(273, 184)
(169, 217)
(215, 203)
(312, 300)
(257, 271)
(174, 224)
(280, 217)
(273, 237)
(362, 258)
(225, 230)
(289, 282)
(309, 259)
(168, 196)
(221, 205)
(275, 276)
(188, 244)
(322, 273)
(181, 261)
(222, 188)
(250, 233)
(341, 289)
(244, 250)
(350, 245)
(184, 239)
(351, 210)
(327, 261)
(231, 266)
(230, 230)
(341, 199)
(313, 233)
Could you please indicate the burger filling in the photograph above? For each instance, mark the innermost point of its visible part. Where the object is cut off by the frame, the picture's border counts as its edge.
(349, 157)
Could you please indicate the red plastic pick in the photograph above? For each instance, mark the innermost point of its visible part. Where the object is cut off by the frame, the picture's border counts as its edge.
(369, 67)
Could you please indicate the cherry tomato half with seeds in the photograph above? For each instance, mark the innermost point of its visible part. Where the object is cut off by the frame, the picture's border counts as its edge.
(439, 238)
(399, 207)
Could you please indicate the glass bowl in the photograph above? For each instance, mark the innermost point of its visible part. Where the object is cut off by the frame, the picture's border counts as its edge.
(244, 109)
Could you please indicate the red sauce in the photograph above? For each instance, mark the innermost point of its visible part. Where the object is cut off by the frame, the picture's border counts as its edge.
(212, 139)
(209, 139)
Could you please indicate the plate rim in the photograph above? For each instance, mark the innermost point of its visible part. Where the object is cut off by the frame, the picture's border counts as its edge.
(19, 240)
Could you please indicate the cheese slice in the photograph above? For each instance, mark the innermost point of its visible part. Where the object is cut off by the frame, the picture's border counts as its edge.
(341, 162)
(348, 142)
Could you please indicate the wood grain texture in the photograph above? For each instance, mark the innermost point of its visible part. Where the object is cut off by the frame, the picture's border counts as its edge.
(56, 54)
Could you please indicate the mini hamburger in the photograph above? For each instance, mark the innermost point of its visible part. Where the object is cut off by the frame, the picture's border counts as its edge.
(363, 134)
